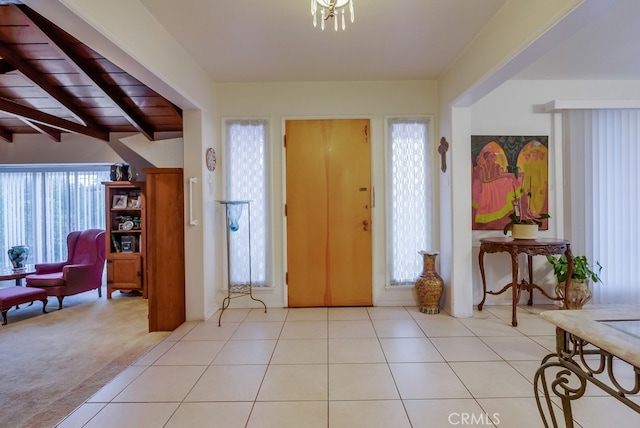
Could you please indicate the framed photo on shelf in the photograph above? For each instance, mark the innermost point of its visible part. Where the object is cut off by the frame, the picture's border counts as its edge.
(133, 202)
(127, 243)
(119, 201)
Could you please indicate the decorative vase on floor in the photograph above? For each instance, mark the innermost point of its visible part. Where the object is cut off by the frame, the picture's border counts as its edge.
(18, 256)
(429, 285)
(578, 294)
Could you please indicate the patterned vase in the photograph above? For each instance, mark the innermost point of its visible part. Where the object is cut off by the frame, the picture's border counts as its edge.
(429, 285)
(18, 256)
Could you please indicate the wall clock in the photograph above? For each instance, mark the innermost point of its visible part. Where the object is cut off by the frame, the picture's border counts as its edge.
(211, 159)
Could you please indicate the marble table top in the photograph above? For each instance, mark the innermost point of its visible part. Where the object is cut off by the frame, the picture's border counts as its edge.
(593, 325)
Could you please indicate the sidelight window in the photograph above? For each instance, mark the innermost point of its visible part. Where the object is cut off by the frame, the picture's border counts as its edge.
(247, 179)
(409, 197)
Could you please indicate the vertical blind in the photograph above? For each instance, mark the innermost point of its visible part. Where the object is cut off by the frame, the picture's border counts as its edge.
(604, 154)
(40, 205)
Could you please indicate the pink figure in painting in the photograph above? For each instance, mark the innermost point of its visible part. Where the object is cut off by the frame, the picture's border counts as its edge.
(494, 189)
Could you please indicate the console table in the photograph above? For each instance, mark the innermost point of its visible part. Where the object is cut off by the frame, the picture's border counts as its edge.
(607, 333)
(530, 247)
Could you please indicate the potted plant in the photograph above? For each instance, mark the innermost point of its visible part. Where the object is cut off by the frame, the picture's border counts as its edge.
(523, 223)
(578, 292)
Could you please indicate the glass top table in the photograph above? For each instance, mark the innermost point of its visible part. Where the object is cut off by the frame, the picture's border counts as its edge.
(631, 327)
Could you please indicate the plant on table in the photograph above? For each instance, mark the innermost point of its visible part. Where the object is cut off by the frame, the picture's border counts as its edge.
(522, 213)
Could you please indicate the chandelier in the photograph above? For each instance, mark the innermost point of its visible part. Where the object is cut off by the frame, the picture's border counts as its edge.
(330, 9)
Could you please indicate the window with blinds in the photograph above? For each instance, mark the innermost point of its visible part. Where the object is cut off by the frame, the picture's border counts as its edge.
(40, 205)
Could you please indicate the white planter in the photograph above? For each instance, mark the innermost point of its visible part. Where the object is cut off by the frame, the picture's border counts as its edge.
(524, 231)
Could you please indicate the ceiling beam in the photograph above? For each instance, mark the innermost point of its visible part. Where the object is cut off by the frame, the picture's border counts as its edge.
(6, 135)
(53, 133)
(36, 116)
(114, 93)
(5, 67)
(37, 78)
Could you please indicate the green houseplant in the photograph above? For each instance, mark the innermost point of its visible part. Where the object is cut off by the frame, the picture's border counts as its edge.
(578, 292)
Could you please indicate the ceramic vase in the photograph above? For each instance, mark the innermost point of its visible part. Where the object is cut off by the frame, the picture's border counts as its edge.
(524, 231)
(578, 294)
(18, 256)
(121, 172)
(429, 285)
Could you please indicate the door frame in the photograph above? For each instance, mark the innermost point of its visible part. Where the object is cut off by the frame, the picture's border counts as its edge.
(374, 217)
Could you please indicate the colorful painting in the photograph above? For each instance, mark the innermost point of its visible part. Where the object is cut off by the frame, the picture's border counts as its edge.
(508, 171)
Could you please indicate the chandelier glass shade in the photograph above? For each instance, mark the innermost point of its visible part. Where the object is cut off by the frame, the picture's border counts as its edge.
(323, 10)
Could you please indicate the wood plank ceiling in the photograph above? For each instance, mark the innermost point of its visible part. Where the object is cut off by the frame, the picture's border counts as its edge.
(51, 84)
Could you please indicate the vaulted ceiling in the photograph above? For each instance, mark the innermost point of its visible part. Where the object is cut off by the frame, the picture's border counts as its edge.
(51, 83)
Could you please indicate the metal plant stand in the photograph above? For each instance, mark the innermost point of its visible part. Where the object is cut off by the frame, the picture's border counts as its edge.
(233, 210)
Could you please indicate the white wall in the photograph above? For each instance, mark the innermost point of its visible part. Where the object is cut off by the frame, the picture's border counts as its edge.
(39, 149)
(28, 149)
(282, 101)
(513, 38)
(517, 108)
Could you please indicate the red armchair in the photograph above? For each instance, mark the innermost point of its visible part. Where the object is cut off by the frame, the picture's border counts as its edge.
(82, 271)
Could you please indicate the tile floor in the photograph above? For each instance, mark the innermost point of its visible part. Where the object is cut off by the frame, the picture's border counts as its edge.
(389, 367)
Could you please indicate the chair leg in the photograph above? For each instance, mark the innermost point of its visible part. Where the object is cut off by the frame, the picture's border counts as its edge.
(60, 302)
(44, 306)
(99, 292)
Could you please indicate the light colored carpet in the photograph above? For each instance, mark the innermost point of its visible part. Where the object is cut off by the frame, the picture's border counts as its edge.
(51, 363)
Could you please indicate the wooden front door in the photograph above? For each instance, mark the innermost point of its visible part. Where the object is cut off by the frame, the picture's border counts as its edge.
(329, 257)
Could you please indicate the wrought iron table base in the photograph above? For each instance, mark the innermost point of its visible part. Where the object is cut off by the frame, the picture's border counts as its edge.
(572, 375)
(235, 292)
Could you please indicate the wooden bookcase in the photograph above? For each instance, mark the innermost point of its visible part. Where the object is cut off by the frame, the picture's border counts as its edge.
(125, 236)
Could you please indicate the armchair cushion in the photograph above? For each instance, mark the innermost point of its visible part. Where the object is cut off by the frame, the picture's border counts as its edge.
(46, 280)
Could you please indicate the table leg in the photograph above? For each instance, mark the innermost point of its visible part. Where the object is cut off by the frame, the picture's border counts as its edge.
(530, 265)
(484, 280)
(514, 287)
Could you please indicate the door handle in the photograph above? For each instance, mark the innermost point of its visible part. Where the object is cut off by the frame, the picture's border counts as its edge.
(365, 225)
